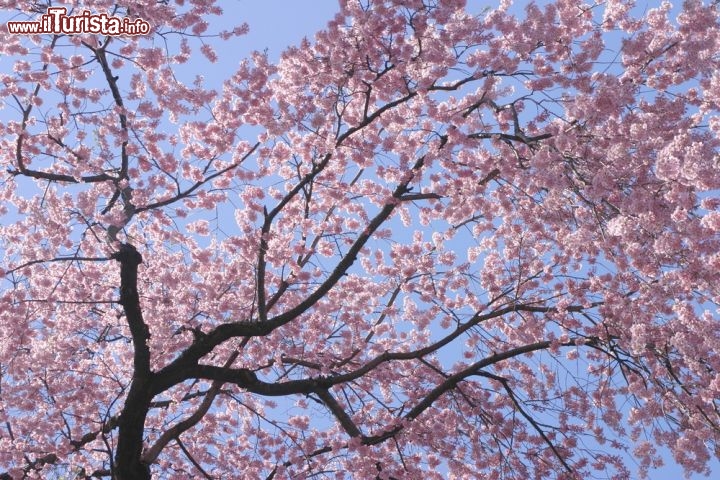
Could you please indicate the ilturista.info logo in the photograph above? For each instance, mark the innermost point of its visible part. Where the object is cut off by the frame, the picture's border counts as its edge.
(57, 22)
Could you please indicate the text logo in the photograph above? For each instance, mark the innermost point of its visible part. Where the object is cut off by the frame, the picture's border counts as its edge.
(57, 21)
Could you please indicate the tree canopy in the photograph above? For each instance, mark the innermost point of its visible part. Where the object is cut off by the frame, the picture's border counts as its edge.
(429, 242)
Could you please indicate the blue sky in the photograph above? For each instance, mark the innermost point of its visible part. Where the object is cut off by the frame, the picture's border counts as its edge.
(275, 24)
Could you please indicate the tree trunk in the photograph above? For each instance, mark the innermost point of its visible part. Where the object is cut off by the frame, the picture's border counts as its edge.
(128, 464)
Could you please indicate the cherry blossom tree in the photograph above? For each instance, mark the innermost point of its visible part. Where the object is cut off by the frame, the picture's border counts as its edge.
(430, 242)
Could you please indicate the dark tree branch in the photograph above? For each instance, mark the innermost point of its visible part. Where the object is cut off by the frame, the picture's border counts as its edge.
(188, 192)
(192, 460)
(268, 218)
(178, 369)
(130, 259)
(52, 458)
(176, 430)
(511, 393)
(132, 419)
(111, 80)
(339, 412)
(57, 259)
(449, 383)
(452, 381)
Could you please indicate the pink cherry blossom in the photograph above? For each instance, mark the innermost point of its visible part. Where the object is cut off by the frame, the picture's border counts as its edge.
(428, 242)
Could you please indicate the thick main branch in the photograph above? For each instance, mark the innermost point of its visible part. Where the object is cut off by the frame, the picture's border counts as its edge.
(132, 419)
